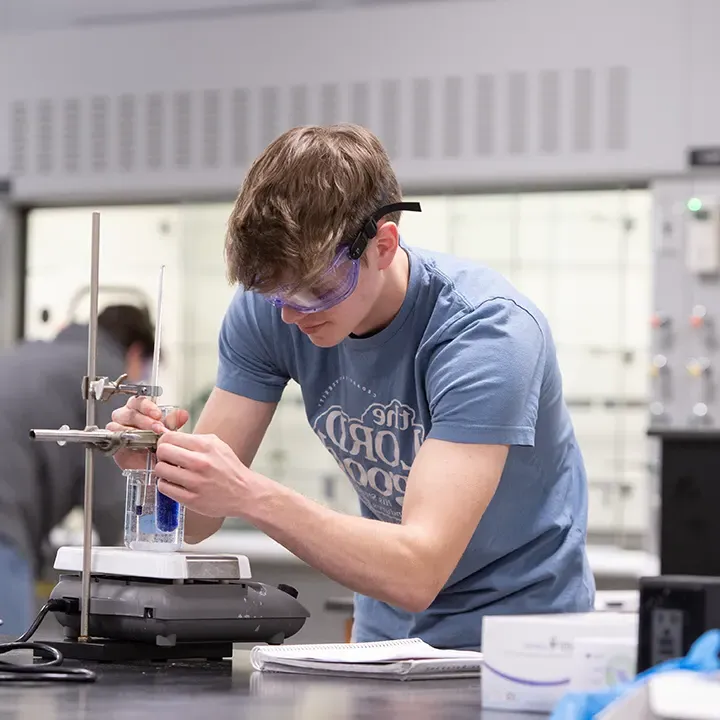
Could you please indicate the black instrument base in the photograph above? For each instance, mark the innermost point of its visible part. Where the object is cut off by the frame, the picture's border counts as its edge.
(113, 651)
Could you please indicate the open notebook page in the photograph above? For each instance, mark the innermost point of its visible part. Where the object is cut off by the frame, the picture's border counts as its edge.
(372, 652)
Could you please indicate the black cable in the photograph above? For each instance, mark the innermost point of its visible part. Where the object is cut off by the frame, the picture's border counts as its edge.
(51, 669)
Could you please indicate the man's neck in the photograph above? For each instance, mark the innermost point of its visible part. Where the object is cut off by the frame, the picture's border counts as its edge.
(391, 298)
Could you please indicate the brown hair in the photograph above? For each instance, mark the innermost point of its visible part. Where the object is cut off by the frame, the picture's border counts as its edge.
(128, 325)
(308, 193)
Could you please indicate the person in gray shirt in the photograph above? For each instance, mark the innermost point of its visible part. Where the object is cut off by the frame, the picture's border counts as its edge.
(40, 483)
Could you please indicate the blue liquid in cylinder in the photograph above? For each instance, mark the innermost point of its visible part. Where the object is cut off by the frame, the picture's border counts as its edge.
(167, 513)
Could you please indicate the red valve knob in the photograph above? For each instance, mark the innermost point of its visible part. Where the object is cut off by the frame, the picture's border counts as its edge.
(658, 320)
(698, 317)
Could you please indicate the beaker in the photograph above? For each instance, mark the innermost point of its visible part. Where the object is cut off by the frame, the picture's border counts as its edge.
(153, 521)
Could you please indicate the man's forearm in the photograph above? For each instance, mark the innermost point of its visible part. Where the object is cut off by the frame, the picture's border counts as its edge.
(382, 560)
(241, 423)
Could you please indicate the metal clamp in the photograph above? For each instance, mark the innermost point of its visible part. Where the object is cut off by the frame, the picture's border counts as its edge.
(105, 441)
(102, 389)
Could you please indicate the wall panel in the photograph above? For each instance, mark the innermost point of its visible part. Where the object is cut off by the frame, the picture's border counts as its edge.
(468, 94)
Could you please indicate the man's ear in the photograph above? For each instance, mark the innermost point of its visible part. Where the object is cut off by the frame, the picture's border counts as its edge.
(387, 242)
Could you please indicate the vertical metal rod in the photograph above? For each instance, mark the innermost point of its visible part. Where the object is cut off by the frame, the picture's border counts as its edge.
(90, 422)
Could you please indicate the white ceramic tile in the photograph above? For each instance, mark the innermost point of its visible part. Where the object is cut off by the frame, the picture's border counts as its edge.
(501, 207)
(602, 509)
(206, 300)
(200, 373)
(202, 235)
(636, 511)
(590, 373)
(637, 304)
(588, 228)
(586, 307)
(638, 207)
(534, 240)
(538, 205)
(484, 228)
(590, 203)
(429, 228)
(130, 237)
(537, 286)
(586, 241)
(487, 240)
(636, 446)
(637, 379)
(49, 295)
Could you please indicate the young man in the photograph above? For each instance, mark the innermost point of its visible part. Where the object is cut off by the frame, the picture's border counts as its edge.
(432, 381)
(40, 483)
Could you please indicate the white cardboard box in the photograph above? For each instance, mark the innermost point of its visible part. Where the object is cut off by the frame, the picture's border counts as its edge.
(600, 663)
(528, 659)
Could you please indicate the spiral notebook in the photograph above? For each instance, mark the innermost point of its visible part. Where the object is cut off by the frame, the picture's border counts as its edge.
(410, 659)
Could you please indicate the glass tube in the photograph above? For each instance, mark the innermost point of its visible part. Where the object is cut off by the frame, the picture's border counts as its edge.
(153, 521)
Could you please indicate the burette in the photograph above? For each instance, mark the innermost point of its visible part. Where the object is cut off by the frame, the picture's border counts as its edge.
(154, 382)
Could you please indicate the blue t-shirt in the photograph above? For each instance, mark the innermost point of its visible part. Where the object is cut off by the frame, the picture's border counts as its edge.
(467, 359)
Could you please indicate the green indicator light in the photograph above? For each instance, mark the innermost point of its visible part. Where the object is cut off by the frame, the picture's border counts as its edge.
(694, 204)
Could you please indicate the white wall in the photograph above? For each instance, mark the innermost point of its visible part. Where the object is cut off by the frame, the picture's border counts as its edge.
(461, 92)
(10, 282)
(21, 16)
(584, 257)
(701, 115)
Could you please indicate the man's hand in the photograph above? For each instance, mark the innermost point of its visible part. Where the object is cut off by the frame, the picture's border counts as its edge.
(204, 474)
(140, 413)
(239, 421)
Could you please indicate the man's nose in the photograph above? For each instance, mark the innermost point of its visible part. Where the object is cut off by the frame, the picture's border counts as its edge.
(289, 315)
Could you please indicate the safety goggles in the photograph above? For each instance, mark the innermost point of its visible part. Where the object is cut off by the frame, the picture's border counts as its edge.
(340, 279)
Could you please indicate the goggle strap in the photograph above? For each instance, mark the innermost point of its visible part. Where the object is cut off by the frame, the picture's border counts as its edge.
(395, 207)
(369, 230)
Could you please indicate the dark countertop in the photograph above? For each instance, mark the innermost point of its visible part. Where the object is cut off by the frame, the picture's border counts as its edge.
(224, 689)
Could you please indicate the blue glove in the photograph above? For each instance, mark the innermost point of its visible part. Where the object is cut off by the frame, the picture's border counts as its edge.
(703, 657)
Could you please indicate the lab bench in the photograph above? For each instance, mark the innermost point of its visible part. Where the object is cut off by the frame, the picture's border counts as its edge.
(224, 689)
